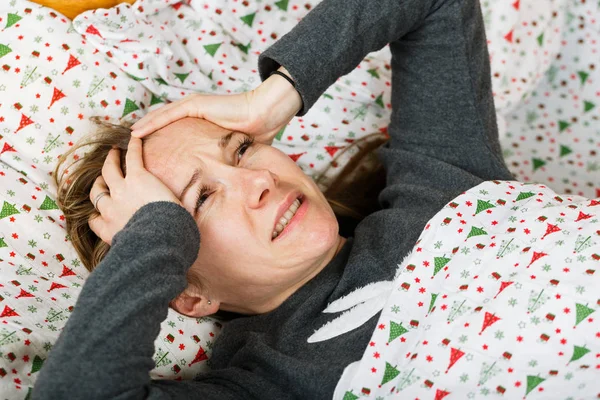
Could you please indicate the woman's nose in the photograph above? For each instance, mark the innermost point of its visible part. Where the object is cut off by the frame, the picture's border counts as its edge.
(260, 184)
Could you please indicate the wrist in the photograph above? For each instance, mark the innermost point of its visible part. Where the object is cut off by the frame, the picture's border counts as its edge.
(283, 93)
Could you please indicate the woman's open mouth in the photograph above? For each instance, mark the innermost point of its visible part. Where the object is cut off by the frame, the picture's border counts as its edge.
(290, 218)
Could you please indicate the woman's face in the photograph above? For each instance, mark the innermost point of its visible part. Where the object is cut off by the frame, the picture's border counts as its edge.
(237, 200)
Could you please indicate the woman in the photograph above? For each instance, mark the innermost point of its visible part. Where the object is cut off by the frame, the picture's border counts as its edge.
(443, 142)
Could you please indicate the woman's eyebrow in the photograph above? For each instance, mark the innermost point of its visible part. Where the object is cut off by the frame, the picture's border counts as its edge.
(223, 143)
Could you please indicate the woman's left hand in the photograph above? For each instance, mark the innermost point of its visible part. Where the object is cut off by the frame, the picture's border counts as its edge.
(124, 195)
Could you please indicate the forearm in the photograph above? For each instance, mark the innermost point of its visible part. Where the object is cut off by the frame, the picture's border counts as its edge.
(334, 37)
(106, 348)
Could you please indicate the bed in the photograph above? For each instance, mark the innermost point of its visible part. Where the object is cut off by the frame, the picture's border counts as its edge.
(117, 63)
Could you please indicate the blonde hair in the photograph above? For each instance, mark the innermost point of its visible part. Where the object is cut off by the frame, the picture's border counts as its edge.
(75, 180)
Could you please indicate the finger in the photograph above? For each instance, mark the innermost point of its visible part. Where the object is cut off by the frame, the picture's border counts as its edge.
(98, 187)
(142, 127)
(167, 115)
(97, 190)
(98, 226)
(134, 157)
(111, 171)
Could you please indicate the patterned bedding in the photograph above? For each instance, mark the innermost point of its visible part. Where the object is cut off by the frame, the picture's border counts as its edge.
(118, 63)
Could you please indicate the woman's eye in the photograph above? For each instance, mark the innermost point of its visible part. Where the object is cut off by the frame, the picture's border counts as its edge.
(203, 195)
(243, 146)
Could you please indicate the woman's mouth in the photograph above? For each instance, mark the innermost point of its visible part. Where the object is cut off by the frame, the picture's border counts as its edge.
(290, 218)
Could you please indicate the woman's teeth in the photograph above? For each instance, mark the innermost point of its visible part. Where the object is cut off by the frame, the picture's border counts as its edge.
(286, 218)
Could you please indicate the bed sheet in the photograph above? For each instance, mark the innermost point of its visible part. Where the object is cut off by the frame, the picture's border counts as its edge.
(499, 297)
(119, 63)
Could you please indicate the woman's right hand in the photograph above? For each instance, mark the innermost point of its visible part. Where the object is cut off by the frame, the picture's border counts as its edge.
(261, 113)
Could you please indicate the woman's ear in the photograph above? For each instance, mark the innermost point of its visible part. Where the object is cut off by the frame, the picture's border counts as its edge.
(194, 305)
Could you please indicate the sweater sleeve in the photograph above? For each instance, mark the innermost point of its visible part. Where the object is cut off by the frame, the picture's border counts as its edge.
(105, 350)
(333, 39)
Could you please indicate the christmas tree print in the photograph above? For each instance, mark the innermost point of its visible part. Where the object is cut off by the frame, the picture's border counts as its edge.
(483, 205)
(7, 337)
(2, 243)
(12, 19)
(506, 247)
(8, 210)
(457, 310)
(349, 396)
(532, 383)
(564, 150)
(4, 50)
(488, 371)
(439, 263)
(160, 358)
(182, 76)
(56, 315)
(130, 107)
(30, 75)
(52, 142)
(396, 330)
(524, 195)
(431, 303)
(155, 100)
(488, 320)
(406, 379)
(582, 312)
(588, 106)
(503, 285)
(25, 121)
(57, 95)
(578, 352)
(212, 48)
(582, 216)
(73, 62)
(379, 101)
(248, 19)
(91, 30)
(476, 232)
(455, 355)
(48, 204)
(536, 256)
(440, 394)
(282, 4)
(8, 312)
(96, 86)
(583, 243)
(200, 356)
(583, 76)
(551, 229)
(562, 125)
(537, 163)
(37, 364)
(536, 300)
(390, 373)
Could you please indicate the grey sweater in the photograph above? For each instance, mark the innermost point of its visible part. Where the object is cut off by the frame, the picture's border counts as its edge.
(443, 142)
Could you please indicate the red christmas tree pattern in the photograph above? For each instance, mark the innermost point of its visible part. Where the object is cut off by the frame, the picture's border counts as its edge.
(455, 355)
(8, 312)
(583, 216)
(550, 229)
(440, 394)
(295, 157)
(24, 122)
(57, 95)
(73, 62)
(536, 256)
(503, 286)
(24, 293)
(93, 31)
(56, 286)
(332, 150)
(6, 148)
(200, 356)
(66, 271)
(489, 320)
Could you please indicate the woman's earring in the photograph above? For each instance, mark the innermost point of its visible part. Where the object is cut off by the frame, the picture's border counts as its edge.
(209, 302)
